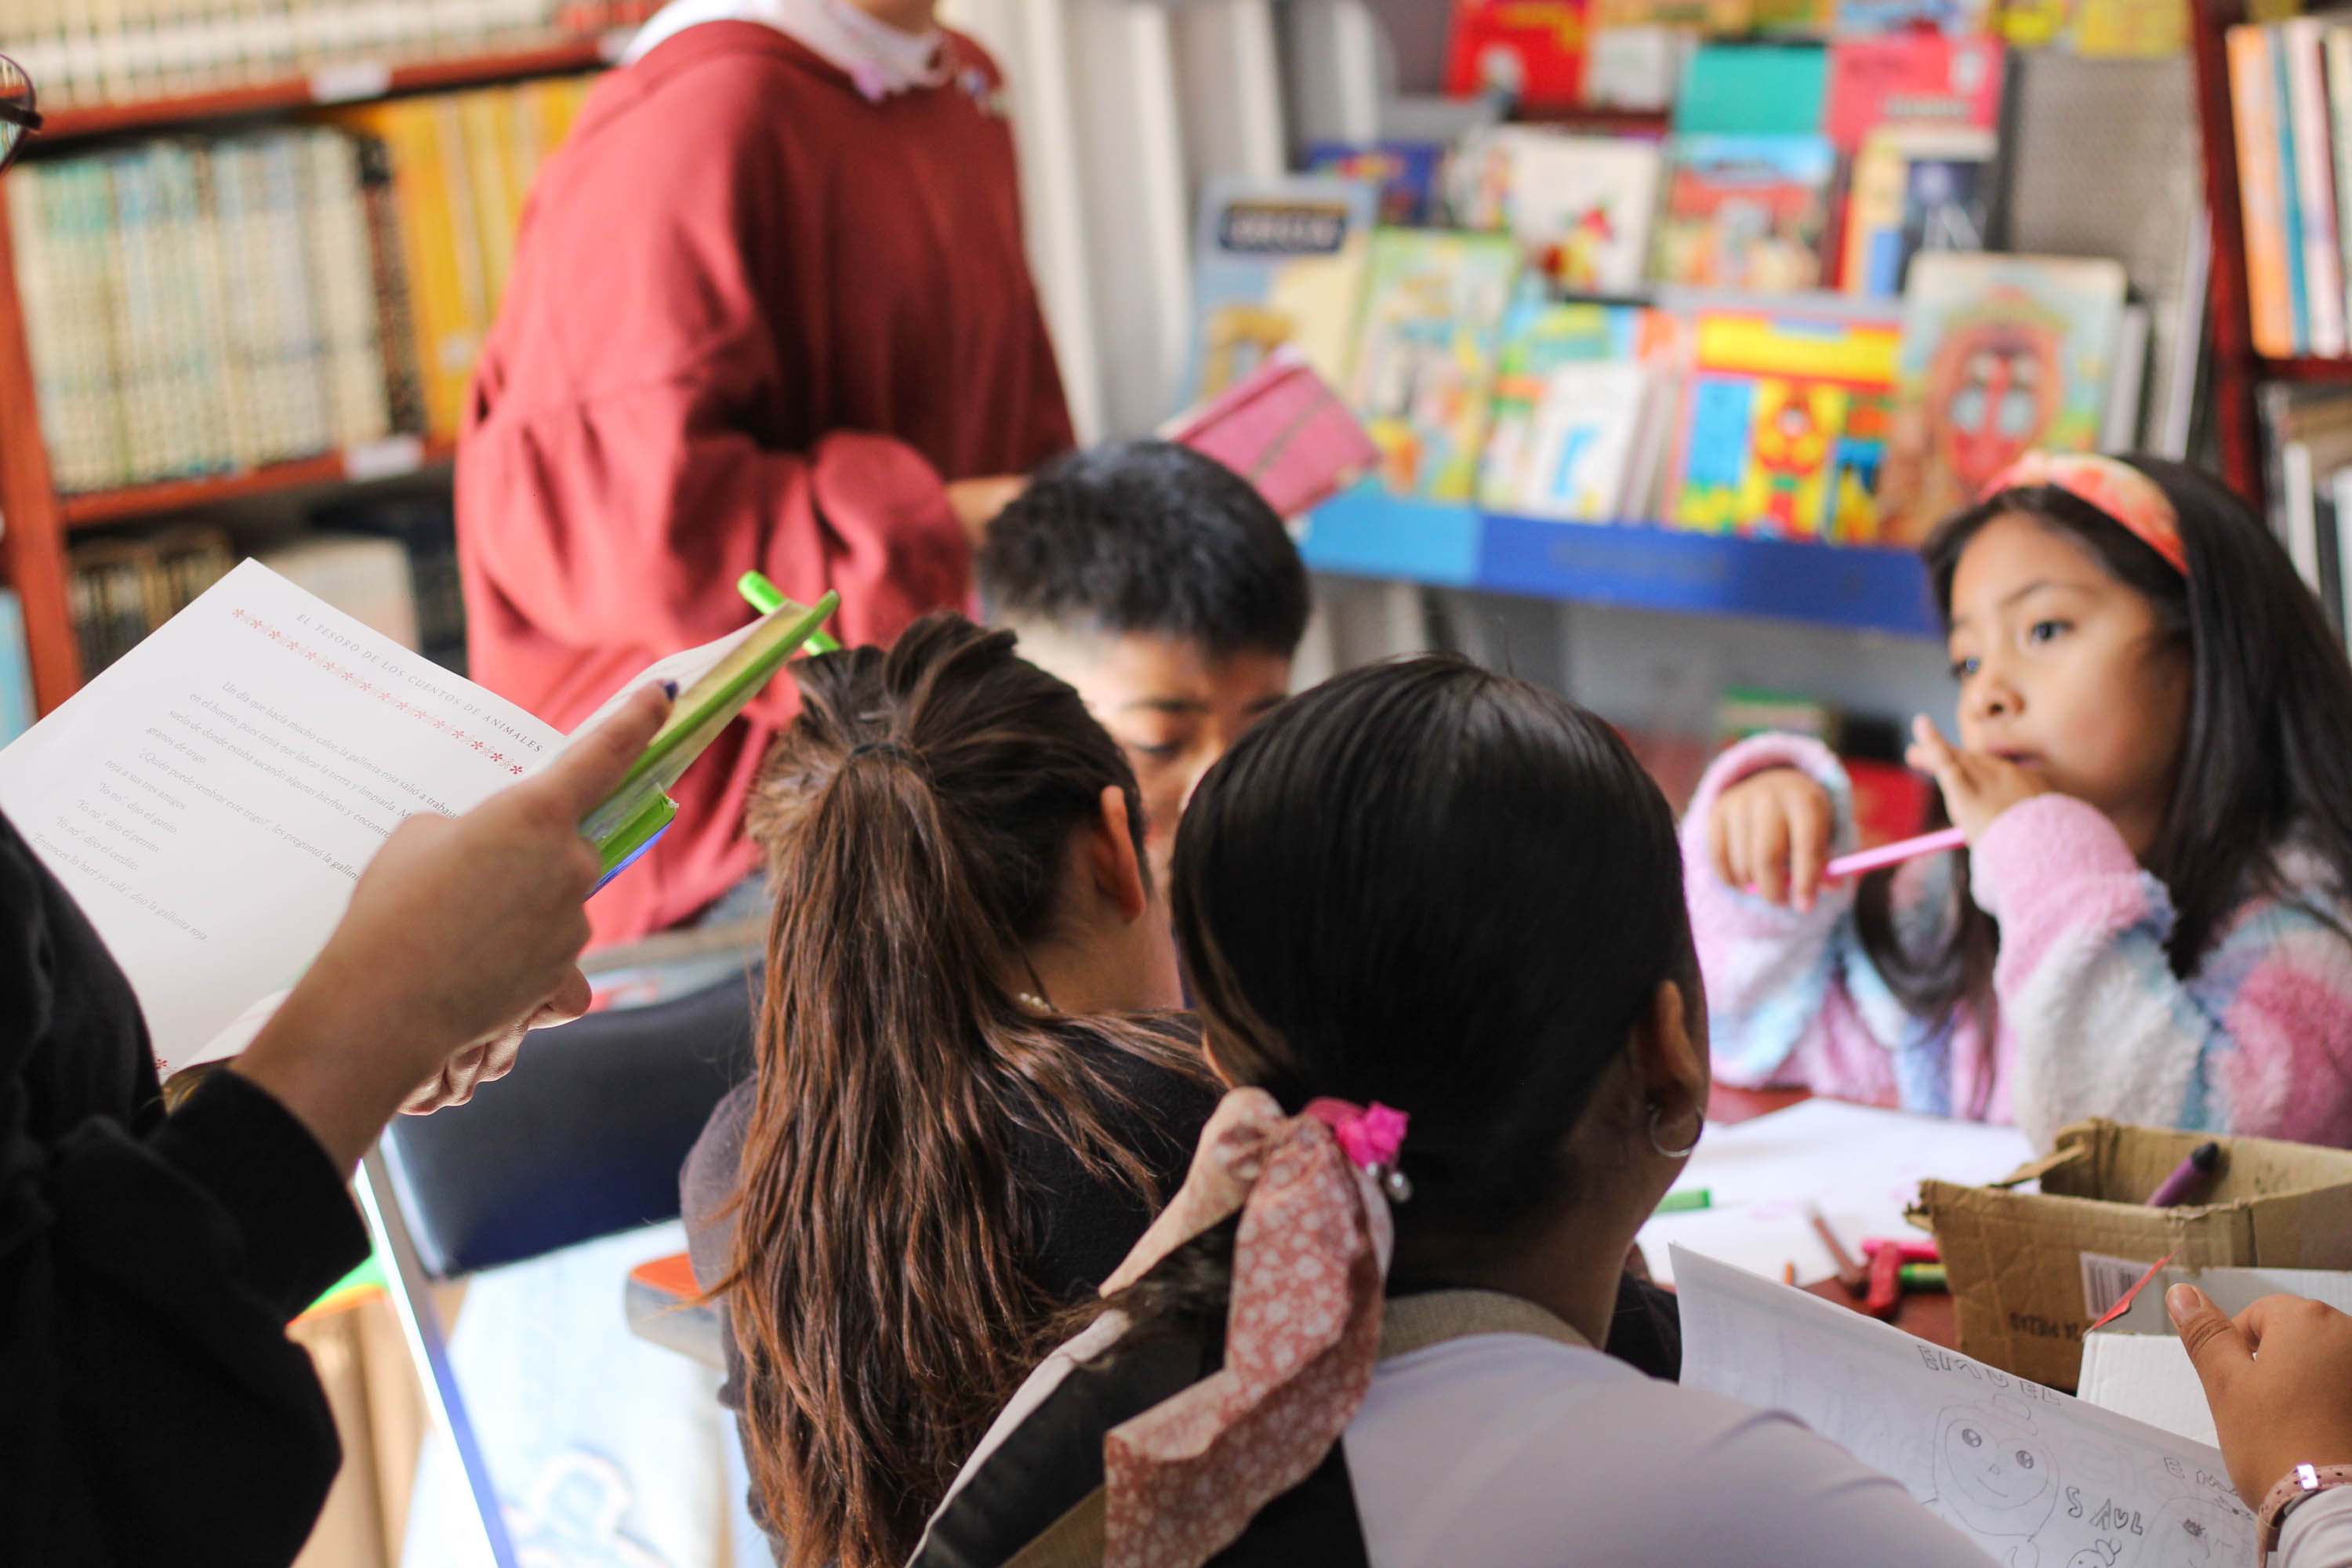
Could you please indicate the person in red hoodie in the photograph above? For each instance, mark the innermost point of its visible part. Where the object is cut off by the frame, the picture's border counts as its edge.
(769, 309)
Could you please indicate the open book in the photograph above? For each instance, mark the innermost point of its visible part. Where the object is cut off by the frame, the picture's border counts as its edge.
(211, 798)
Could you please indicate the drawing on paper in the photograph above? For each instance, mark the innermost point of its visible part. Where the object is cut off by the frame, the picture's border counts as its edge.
(1995, 1477)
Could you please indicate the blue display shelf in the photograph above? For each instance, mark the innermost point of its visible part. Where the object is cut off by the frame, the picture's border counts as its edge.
(1366, 534)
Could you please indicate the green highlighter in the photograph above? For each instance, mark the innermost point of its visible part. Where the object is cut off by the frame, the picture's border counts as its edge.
(624, 825)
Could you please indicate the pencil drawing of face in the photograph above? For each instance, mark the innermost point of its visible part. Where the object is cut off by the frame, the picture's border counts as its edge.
(1993, 1472)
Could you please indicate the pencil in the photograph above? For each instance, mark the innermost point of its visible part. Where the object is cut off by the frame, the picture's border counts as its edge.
(1849, 1272)
(1894, 853)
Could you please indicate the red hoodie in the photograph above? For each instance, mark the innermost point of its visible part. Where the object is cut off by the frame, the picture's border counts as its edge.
(755, 320)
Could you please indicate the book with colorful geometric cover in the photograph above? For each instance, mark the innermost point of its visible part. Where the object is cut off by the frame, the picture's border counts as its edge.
(1781, 408)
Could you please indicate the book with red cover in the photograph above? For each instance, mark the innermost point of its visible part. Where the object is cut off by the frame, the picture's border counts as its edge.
(1284, 430)
(1532, 52)
(1911, 78)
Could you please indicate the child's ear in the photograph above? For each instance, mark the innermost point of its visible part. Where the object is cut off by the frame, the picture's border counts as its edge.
(1110, 855)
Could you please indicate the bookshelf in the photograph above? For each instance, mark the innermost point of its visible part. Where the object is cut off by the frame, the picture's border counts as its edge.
(1367, 534)
(2238, 370)
(37, 517)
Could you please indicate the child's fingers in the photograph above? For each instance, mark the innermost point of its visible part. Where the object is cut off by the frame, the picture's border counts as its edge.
(1808, 853)
(1719, 848)
(1771, 868)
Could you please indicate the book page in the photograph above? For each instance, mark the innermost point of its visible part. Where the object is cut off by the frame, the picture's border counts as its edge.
(210, 798)
(2035, 1477)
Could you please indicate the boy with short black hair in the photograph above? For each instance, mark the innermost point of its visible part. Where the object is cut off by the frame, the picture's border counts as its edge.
(1160, 584)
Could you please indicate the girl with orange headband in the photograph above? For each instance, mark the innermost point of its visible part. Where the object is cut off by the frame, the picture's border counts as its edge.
(2154, 777)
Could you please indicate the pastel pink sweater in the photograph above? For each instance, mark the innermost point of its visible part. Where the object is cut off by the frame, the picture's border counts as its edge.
(2257, 1040)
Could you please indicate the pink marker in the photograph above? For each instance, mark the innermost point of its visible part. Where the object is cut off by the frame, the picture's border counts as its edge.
(1894, 854)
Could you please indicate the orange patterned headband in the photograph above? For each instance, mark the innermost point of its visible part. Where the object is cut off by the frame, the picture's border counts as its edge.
(2119, 491)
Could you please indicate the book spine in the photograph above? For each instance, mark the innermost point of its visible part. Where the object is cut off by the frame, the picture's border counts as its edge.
(2290, 186)
(397, 334)
(2316, 185)
(2253, 109)
(342, 270)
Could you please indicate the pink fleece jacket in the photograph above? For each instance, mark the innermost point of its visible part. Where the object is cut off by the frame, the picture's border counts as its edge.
(2092, 1021)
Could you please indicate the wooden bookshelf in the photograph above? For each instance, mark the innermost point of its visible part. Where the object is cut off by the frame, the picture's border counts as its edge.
(2238, 372)
(137, 501)
(37, 517)
(353, 82)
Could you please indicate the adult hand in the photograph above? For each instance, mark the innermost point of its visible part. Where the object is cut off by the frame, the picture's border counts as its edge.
(976, 502)
(2279, 1380)
(1769, 833)
(488, 1061)
(457, 928)
(1978, 786)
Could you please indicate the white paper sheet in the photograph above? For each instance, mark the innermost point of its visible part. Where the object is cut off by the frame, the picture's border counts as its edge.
(210, 798)
(2136, 1366)
(2148, 1378)
(2037, 1479)
(1861, 1166)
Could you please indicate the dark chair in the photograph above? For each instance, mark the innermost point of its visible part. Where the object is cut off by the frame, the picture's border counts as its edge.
(583, 1139)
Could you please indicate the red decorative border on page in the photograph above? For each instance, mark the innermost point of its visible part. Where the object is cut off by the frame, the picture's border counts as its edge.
(362, 683)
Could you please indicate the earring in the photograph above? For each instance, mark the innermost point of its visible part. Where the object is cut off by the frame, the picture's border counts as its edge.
(1396, 1184)
(1657, 1113)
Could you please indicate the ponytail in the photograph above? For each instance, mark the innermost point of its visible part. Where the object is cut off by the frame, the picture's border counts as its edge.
(915, 818)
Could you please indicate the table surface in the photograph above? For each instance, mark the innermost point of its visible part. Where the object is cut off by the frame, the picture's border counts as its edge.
(1925, 1313)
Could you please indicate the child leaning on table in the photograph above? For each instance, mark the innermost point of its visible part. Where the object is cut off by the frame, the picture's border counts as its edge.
(2155, 776)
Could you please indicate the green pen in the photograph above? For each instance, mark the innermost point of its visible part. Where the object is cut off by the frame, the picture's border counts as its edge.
(1686, 1200)
(1923, 1277)
(763, 597)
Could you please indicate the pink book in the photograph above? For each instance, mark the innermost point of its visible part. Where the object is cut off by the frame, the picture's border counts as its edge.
(1284, 430)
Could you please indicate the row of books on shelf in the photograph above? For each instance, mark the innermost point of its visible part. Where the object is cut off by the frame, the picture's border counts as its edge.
(2307, 451)
(194, 306)
(2291, 102)
(391, 565)
(1564, 55)
(115, 51)
(1789, 167)
(1807, 416)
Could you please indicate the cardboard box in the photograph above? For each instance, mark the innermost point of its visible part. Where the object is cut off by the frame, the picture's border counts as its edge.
(2030, 1272)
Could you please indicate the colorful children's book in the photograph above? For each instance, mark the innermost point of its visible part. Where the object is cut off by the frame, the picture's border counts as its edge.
(1587, 430)
(1752, 90)
(1406, 174)
(1580, 206)
(1530, 52)
(1276, 261)
(1636, 66)
(1744, 212)
(1283, 429)
(1911, 80)
(1913, 188)
(1539, 339)
(1760, 447)
(1433, 305)
(2001, 355)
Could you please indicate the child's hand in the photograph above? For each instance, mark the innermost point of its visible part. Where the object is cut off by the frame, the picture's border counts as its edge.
(1978, 786)
(2279, 1380)
(1769, 833)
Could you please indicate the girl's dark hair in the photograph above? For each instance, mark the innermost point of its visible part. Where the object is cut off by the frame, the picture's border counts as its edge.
(916, 818)
(1432, 886)
(2266, 752)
